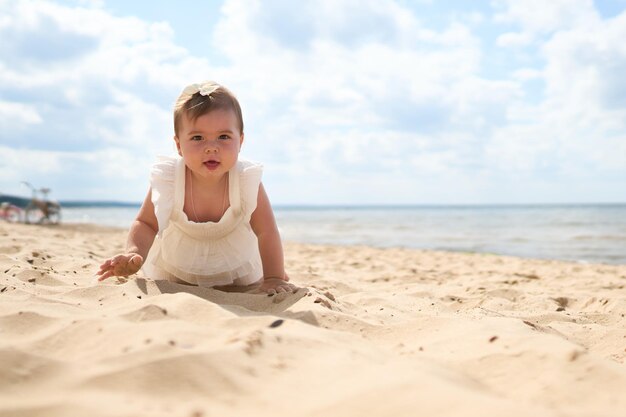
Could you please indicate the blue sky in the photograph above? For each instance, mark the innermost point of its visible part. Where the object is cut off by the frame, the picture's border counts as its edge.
(345, 102)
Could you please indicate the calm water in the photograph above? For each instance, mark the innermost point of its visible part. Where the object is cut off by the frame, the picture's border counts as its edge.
(585, 233)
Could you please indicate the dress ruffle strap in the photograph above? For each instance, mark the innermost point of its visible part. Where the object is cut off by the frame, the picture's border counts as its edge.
(250, 180)
(162, 184)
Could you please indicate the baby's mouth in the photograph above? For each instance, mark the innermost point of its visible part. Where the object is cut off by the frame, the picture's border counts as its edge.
(211, 164)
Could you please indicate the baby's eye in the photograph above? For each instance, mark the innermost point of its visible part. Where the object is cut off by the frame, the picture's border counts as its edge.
(196, 137)
(224, 137)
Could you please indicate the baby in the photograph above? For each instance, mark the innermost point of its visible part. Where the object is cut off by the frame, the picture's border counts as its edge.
(206, 220)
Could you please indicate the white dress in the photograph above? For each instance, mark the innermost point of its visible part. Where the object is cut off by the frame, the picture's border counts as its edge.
(204, 254)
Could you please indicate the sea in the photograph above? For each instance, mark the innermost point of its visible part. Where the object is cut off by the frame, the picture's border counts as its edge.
(585, 233)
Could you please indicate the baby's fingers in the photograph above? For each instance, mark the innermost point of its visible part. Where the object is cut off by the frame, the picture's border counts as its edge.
(290, 287)
(106, 265)
(286, 288)
(105, 275)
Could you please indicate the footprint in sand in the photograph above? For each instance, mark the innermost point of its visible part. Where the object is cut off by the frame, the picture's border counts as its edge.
(325, 303)
(330, 296)
(147, 313)
(10, 250)
(562, 302)
(254, 343)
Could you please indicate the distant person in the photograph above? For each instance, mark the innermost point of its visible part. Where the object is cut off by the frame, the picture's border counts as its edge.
(206, 219)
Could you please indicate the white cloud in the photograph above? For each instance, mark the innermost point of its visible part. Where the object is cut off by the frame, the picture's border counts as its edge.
(576, 132)
(92, 95)
(514, 39)
(13, 115)
(587, 64)
(131, 122)
(107, 173)
(338, 97)
(539, 16)
(527, 74)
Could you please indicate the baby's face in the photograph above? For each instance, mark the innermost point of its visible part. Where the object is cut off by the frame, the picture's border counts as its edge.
(210, 145)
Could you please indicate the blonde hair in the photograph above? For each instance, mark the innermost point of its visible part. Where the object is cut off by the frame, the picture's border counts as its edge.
(199, 99)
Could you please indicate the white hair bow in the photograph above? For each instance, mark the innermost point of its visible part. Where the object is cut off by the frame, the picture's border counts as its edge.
(205, 88)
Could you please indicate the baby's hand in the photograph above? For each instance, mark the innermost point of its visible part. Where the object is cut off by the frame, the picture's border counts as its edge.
(120, 265)
(273, 286)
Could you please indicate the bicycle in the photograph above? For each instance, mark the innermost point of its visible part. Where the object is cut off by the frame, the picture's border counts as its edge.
(41, 210)
(10, 212)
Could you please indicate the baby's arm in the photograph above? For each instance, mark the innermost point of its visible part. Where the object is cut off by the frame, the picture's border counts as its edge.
(270, 247)
(140, 238)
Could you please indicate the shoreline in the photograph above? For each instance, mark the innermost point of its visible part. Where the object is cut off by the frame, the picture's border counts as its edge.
(90, 227)
(499, 334)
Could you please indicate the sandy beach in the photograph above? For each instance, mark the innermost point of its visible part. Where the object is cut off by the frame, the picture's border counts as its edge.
(377, 332)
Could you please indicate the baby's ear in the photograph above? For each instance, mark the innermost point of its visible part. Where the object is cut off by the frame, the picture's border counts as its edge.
(177, 145)
(241, 140)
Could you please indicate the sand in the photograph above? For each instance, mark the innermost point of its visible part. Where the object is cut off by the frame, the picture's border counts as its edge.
(380, 332)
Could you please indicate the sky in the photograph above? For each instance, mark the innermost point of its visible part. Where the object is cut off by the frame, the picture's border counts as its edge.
(345, 102)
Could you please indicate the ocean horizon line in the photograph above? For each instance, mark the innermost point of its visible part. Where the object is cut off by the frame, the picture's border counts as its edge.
(23, 201)
(335, 206)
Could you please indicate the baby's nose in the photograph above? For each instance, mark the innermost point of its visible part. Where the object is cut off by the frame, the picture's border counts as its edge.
(210, 147)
